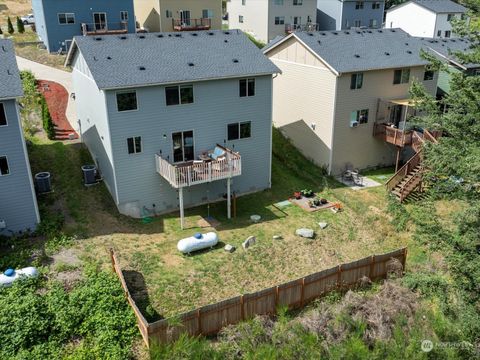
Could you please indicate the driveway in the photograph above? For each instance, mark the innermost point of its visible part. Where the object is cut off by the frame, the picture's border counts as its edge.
(44, 72)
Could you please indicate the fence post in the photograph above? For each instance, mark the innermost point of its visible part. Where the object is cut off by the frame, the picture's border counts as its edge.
(339, 277)
(404, 260)
(276, 298)
(242, 307)
(372, 267)
(112, 258)
(199, 319)
(302, 294)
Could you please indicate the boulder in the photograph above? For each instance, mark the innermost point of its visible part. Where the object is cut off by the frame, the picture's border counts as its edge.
(230, 248)
(322, 225)
(249, 242)
(306, 233)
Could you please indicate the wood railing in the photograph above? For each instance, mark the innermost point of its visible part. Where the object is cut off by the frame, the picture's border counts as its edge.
(104, 29)
(199, 172)
(289, 28)
(404, 171)
(393, 136)
(192, 24)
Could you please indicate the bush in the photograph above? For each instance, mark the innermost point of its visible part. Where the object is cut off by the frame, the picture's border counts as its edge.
(47, 120)
(20, 26)
(10, 28)
(1, 31)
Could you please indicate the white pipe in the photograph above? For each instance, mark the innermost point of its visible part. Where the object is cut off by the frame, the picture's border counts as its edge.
(229, 206)
(180, 195)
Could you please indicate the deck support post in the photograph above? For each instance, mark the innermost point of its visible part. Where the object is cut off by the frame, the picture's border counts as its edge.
(398, 158)
(229, 199)
(180, 198)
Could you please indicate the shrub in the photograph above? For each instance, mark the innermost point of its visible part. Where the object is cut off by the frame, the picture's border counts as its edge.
(20, 26)
(10, 28)
(47, 120)
(1, 31)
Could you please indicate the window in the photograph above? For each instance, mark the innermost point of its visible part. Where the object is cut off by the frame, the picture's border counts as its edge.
(401, 76)
(376, 5)
(66, 18)
(278, 2)
(240, 19)
(168, 14)
(243, 2)
(247, 87)
(428, 75)
(207, 14)
(4, 169)
(450, 17)
(356, 81)
(3, 115)
(373, 23)
(448, 33)
(134, 145)
(176, 95)
(439, 33)
(297, 2)
(359, 117)
(124, 16)
(357, 23)
(127, 101)
(241, 130)
(183, 149)
(359, 5)
(279, 20)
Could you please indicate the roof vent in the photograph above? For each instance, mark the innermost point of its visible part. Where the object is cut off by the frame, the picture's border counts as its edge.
(452, 40)
(357, 56)
(98, 39)
(324, 34)
(358, 32)
(409, 52)
(347, 32)
(225, 41)
(369, 31)
(109, 58)
(226, 32)
(335, 33)
(169, 35)
(406, 44)
(235, 61)
(393, 30)
(9, 72)
(387, 53)
(94, 58)
(194, 34)
(142, 68)
(141, 36)
(178, 35)
(211, 33)
(444, 40)
(380, 31)
(160, 35)
(4, 48)
(310, 34)
(319, 42)
(123, 37)
(191, 64)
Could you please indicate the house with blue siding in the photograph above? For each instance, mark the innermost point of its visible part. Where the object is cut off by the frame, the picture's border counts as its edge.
(347, 14)
(58, 21)
(18, 204)
(175, 120)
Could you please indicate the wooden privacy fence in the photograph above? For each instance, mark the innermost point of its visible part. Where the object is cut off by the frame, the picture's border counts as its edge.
(210, 319)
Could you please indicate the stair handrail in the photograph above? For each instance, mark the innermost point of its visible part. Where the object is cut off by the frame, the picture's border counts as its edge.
(403, 192)
(404, 170)
(417, 139)
(429, 136)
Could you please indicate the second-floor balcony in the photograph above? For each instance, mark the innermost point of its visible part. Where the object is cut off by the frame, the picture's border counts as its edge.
(289, 28)
(191, 24)
(220, 163)
(104, 28)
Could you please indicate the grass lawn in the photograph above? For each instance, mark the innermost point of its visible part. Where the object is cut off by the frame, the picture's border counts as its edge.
(166, 282)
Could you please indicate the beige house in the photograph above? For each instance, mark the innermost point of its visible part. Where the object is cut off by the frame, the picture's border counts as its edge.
(178, 15)
(342, 96)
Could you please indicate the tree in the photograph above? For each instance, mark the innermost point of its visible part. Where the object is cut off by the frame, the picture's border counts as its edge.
(20, 26)
(10, 28)
(1, 32)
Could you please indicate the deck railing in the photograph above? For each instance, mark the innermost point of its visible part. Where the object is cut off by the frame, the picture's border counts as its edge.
(199, 172)
(289, 28)
(392, 135)
(107, 28)
(192, 24)
(404, 171)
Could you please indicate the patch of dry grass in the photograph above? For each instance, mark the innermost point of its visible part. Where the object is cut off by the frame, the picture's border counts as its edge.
(32, 52)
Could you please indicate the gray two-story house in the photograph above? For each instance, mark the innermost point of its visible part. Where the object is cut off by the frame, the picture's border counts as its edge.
(347, 14)
(18, 204)
(58, 21)
(175, 119)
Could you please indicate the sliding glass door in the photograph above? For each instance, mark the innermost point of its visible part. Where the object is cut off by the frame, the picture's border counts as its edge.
(183, 146)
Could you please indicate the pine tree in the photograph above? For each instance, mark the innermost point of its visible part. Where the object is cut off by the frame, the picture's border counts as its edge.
(20, 26)
(10, 28)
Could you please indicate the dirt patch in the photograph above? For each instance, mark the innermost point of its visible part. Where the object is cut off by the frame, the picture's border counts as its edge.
(68, 257)
(69, 278)
(379, 212)
(172, 260)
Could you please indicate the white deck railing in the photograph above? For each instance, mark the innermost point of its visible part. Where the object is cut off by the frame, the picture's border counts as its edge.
(199, 172)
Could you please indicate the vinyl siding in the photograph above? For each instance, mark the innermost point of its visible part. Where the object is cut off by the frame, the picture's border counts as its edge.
(304, 95)
(255, 15)
(350, 14)
(357, 146)
(18, 205)
(329, 14)
(217, 103)
(92, 114)
(147, 14)
(412, 18)
(195, 7)
(289, 11)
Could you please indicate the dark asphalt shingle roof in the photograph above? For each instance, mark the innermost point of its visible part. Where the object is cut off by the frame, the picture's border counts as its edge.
(441, 6)
(448, 47)
(116, 61)
(362, 50)
(10, 83)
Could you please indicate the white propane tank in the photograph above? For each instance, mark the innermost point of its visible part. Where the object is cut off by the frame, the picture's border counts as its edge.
(197, 242)
(9, 276)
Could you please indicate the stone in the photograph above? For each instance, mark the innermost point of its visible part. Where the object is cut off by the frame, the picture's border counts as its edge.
(230, 248)
(249, 242)
(277, 237)
(255, 218)
(322, 225)
(306, 233)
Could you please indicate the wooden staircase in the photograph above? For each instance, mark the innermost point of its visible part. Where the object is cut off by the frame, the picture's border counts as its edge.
(410, 176)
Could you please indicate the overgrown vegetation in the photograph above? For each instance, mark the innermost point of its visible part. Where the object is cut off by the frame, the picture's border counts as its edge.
(47, 121)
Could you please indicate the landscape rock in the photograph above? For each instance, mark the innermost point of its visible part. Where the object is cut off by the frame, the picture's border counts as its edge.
(322, 225)
(230, 248)
(255, 218)
(249, 242)
(306, 233)
(277, 237)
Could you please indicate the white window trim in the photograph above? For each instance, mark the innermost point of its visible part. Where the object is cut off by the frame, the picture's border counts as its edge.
(125, 92)
(141, 145)
(173, 150)
(66, 23)
(8, 165)
(121, 15)
(4, 113)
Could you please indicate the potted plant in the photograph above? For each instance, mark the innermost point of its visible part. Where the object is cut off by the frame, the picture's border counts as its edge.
(297, 195)
(323, 201)
(307, 193)
(316, 202)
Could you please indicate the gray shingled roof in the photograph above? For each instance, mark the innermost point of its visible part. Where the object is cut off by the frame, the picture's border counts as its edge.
(441, 6)
(10, 83)
(117, 61)
(362, 50)
(448, 47)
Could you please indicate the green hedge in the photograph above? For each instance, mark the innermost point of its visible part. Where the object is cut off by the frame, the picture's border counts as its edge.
(47, 120)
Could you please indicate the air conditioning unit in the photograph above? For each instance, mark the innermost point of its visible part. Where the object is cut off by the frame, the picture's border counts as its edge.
(354, 124)
(3, 224)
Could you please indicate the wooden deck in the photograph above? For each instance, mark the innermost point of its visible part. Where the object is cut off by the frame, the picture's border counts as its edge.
(393, 136)
(199, 172)
(192, 24)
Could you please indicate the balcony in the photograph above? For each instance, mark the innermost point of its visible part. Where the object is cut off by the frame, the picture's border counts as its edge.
(391, 135)
(191, 24)
(201, 171)
(289, 28)
(104, 28)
